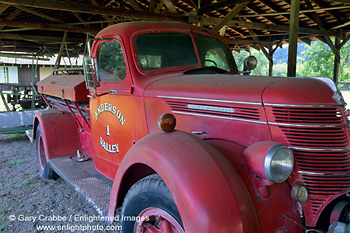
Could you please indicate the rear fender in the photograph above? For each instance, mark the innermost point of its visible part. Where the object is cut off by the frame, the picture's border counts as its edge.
(59, 132)
(207, 190)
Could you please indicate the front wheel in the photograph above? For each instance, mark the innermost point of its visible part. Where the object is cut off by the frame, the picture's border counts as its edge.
(149, 207)
(44, 168)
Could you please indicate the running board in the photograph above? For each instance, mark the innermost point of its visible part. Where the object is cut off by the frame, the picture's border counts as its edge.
(89, 183)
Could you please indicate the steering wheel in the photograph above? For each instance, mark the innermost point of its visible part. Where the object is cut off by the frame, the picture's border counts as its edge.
(211, 62)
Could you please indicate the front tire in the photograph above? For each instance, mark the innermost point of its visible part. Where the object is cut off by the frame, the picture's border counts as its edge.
(149, 207)
(44, 168)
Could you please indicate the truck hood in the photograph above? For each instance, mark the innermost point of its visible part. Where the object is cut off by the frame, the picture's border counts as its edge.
(253, 89)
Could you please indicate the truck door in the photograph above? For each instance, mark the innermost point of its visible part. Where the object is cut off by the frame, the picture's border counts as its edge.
(112, 109)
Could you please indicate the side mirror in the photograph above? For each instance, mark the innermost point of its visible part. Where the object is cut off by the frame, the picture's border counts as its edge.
(249, 64)
(90, 72)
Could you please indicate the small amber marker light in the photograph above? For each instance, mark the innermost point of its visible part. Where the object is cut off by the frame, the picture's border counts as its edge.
(167, 122)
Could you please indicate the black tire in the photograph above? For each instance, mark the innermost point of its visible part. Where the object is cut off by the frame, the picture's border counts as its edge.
(44, 168)
(148, 193)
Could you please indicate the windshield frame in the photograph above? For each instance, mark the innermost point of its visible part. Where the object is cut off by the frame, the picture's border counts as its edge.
(177, 68)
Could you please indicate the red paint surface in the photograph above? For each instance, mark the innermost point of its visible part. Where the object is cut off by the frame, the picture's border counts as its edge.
(208, 176)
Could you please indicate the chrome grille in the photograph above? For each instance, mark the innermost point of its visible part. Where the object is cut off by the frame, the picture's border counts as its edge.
(307, 115)
(315, 136)
(320, 142)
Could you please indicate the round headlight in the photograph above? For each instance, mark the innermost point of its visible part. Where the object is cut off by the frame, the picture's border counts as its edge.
(279, 163)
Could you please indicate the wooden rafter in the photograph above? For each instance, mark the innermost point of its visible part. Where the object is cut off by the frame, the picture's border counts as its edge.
(230, 15)
(89, 9)
(275, 8)
(258, 26)
(302, 11)
(38, 14)
(218, 5)
(38, 39)
(170, 5)
(3, 7)
(105, 17)
(323, 4)
(257, 11)
(81, 19)
(48, 27)
(134, 5)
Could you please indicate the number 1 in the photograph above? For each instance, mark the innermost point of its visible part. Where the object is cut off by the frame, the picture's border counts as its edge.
(107, 129)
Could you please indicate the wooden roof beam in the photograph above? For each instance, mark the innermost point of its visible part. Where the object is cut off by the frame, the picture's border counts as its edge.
(322, 4)
(258, 26)
(342, 1)
(48, 27)
(84, 8)
(94, 3)
(218, 5)
(38, 14)
(3, 7)
(78, 16)
(38, 39)
(11, 16)
(230, 15)
(170, 5)
(134, 5)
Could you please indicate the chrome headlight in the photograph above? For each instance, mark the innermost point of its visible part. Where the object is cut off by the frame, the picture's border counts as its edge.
(278, 163)
(270, 160)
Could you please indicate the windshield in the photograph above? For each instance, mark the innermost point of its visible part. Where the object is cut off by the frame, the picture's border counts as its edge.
(167, 50)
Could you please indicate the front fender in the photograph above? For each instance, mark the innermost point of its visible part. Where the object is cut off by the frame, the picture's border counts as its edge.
(207, 190)
(59, 132)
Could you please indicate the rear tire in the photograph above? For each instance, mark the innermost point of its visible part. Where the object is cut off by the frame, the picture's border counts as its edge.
(44, 168)
(149, 207)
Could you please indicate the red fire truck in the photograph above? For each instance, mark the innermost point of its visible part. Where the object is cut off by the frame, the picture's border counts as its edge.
(247, 154)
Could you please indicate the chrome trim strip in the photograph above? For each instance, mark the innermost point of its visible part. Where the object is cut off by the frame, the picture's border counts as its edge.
(219, 117)
(304, 106)
(308, 125)
(320, 149)
(209, 100)
(210, 108)
(323, 173)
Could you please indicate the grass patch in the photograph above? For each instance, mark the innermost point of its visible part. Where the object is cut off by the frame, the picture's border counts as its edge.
(11, 181)
(17, 135)
(2, 223)
(17, 161)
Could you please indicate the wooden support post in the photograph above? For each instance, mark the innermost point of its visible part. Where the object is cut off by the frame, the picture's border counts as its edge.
(271, 52)
(293, 38)
(336, 60)
(58, 60)
(268, 55)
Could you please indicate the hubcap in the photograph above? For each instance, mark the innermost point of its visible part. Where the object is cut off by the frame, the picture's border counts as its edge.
(154, 220)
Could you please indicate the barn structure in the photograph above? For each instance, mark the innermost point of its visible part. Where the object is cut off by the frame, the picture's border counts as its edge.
(42, 25)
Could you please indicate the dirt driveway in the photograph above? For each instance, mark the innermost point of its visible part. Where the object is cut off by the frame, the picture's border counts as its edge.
(29, 204)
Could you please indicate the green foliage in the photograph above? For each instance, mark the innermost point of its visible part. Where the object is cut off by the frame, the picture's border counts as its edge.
(315, 60)
(319, 61)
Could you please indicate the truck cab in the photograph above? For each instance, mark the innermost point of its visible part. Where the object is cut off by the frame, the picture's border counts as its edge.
(166, 136)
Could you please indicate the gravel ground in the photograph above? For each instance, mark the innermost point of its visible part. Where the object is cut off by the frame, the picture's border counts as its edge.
(28, 202)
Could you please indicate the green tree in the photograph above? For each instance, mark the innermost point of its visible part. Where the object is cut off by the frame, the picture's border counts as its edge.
(318, 61)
